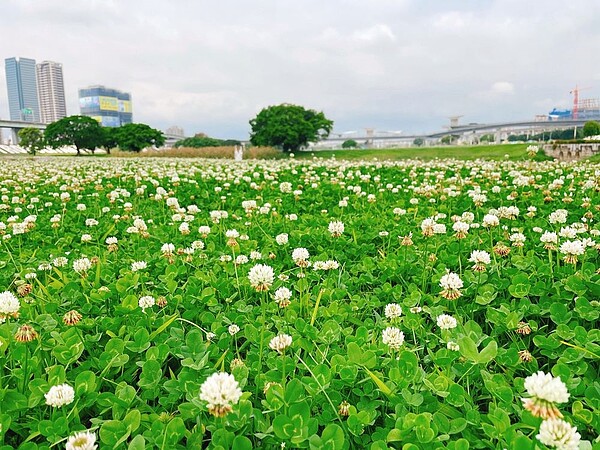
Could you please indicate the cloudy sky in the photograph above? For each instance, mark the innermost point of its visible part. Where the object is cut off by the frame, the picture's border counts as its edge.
(211, 66)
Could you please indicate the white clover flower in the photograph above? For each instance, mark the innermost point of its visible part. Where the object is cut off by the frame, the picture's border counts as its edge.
(282, 296)
(138, 265)
(480, 256)
(60, 395)
(184, 228)
(167, 249)
(204, 230)
(319, 265)
(233, 329)
(147, 301)
(460, 228)
(261, 277)
(451, 345)
(198, 245)
(241, 259)
(558, 433)
(490, 220)
(91, 222)
(517, 239)
(232, 234)
(60, 261)
(393, 337)
(558, 216)
(549, 237)
(86, 238)
(446, 322)
(111, 240)
(82, 265)
(280, 342)
(571, 250)
(281, 239)
(336, 228)
(225, 258)
(451, 285)
(439, 228)
(9, 304)
(546, 387)
(255, 255)
(393, 311)
(480, 259)
(300, 256)
(82, 440)
(427, 226)
(220, 391)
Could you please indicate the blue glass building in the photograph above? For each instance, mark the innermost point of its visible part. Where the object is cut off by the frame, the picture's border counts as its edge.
(110, 107)
(21, 84)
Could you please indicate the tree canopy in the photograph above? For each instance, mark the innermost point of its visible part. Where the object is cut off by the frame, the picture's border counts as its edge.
(82, 132)
(32, 139)
(201, 140)
(591, 128)
(349, 143)
(134, 137)
(289, 127)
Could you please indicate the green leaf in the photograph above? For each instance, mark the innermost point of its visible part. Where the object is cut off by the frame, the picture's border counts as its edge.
(488, 353)
(137, 443)
(85, 382)
(174, 432)
(468, 348)
(113, 432)
(241, 443)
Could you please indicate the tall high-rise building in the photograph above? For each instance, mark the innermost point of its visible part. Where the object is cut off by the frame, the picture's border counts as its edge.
(110, 107)
(21, 84)
(51, 91)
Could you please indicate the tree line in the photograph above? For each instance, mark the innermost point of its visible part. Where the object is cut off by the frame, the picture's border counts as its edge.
(85, 133)
(285, 126)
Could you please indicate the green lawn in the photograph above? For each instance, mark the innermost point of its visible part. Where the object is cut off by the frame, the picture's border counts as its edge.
(515, 151)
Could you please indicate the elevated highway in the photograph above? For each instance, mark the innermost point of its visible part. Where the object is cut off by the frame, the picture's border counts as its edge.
(474, 128)
(16, 125)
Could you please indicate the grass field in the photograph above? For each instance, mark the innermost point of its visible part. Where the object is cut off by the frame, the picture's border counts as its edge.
(496, 152)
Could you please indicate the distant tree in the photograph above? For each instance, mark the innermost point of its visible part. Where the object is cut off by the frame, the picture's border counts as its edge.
(418, 142)
(448, 139)
(134, 137)
(488, 138)
(32, 139)
(109, 138)
(201, 140)
(288, 127)
(82, 132)
(591, 128)
(350, 143)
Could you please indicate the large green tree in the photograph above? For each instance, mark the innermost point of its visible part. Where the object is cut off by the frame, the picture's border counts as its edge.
(591, 128)
(32, 139)
(134, 137)
(109, 138)
(83, 132)
(289, 127)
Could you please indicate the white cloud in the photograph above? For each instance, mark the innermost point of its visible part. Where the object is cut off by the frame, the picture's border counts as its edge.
(379, 32)
(502, 87)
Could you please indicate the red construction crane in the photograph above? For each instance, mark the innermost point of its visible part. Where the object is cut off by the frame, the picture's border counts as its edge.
(575, 93)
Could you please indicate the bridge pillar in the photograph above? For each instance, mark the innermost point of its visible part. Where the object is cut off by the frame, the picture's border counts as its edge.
(497, 137)
(14, 136)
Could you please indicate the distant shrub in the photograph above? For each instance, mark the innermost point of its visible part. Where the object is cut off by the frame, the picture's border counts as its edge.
(350, 143)
(205, 141)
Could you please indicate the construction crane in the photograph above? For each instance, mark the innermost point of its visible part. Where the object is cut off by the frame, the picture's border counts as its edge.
(575, 93)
